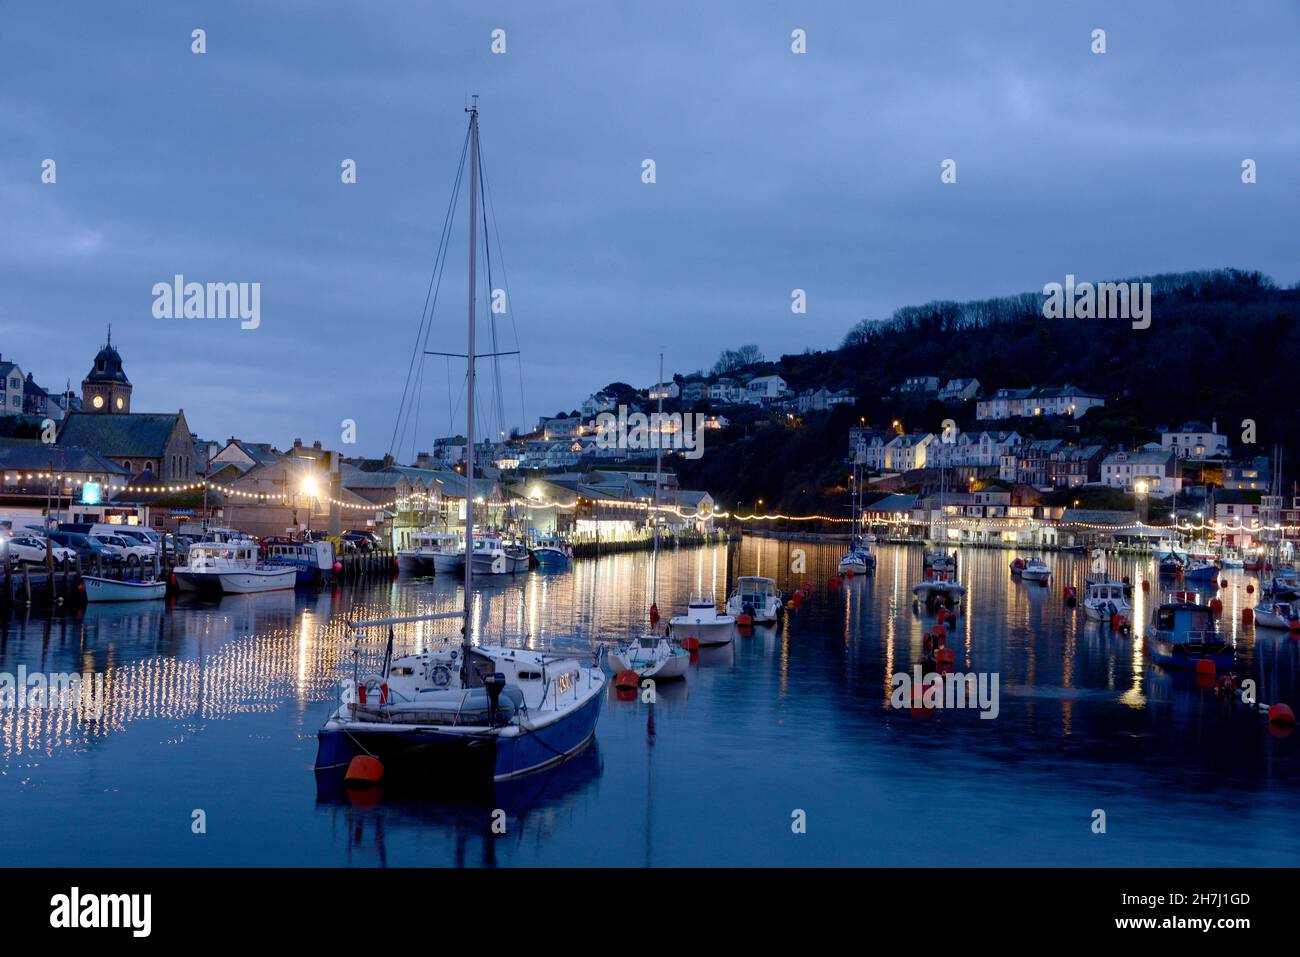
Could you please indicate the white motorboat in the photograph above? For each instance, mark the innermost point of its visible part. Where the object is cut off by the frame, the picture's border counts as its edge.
(432, 552)
(1232, 559)
(756, 597)
(493, 557)
(940, 561)
(703, 623)
(1102, 600)
(651, 656)
(1035, 570)
(1277, 614)
(110, 589)
(231, 568)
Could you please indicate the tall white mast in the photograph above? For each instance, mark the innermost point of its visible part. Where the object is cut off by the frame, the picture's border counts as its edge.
(467, 671)
(659, 452)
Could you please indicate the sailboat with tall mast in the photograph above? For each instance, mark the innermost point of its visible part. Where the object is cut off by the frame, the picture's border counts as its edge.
(859, 558)
(462, 713)
(653, 655)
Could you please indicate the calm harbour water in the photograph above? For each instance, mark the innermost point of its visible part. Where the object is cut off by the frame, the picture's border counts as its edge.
(215, 706)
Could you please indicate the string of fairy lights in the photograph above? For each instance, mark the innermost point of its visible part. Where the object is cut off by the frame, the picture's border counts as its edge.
(423, 501)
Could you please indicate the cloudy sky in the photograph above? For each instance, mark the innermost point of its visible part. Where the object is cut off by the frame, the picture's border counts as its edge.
(775, 171)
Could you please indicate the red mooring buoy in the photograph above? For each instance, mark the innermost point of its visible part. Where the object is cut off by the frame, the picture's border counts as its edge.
(363, 771)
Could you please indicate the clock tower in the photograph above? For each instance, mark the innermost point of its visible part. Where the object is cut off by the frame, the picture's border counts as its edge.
(106, 387)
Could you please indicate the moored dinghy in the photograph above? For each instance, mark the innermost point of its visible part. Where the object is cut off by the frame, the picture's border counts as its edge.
(111, 589)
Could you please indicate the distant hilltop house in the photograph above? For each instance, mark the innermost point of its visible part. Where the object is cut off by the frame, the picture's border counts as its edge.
(920, 384)
(1255, 474)
(1039, 401)
(664, 390)
(1155, 473)
(727, 391)
(559, 427)
(959, 390)
(764, 389)
(819, 400)
(597, 403)
(1195, 440)
(694, 390)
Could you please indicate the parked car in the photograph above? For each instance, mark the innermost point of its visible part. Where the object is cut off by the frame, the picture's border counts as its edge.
(33, 550)
(137, 536)
(82, 545)
(124, 548)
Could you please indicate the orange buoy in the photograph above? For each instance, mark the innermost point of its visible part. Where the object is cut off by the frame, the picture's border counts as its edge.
(1247, 616)
(654, 613)
(1250, 589)
(627, 679)
(1205, 666)
(691, 644)
(944, 658)
(1216, 606)
(1223, 583)
(744, 621)
(1280, 714)
(363, 771)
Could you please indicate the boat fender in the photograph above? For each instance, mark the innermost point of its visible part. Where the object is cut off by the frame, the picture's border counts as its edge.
(1281, 713)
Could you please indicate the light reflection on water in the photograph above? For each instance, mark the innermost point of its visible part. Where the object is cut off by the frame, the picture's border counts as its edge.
(215, 706)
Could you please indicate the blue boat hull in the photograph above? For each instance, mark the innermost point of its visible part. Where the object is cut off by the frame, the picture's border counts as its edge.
(1178, 657)
(439, 756)
(551, 559)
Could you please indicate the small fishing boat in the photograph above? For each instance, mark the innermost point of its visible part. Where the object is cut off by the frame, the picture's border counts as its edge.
(110, 589)
(552, 553)
(231, 568)
(313, 562)
(1199, 570)
(1284, 586)
(1183, 635)
(1231, 559)
(1102, 600)
(493, 557)
(651, 656)
(1169, 548)
(432, 552)
(756, 597)
(703, 623)
(1277, 614)
(1035, 570)
(1170, 565)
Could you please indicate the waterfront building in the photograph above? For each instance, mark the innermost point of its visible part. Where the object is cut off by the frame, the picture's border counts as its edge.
(1241, 511)
(71, 480)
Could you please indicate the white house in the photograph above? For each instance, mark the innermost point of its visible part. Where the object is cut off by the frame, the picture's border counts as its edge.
(1193, 440)
(764, 388)
(959, 390)
(11, 388)
(727, 391)
(920, 383)
(664, 390)
(1155, 472)
(905, 452)
(597, 403)
(1039, 401)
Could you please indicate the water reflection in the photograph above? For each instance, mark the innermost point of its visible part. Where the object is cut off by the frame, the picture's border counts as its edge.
(223, 699)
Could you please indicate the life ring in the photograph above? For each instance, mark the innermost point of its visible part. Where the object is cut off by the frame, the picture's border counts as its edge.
(440, 675)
